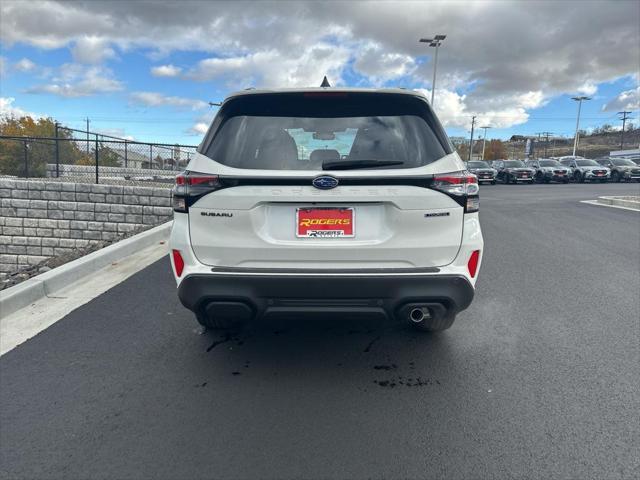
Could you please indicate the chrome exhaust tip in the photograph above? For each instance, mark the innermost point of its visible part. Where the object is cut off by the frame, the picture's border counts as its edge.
(417, 315)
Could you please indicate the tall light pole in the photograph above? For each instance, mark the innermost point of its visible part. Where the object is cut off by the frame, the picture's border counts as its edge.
(434, 42)
(575, 139)
(484, 141)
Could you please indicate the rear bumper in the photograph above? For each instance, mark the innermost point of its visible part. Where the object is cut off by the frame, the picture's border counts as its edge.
(302, 294)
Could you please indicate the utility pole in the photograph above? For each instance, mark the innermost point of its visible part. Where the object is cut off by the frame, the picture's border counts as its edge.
(625, 116)
(546, 142)
(575, 139)
(473, 122)
(434, 42)
(484, 141)
(87, 120)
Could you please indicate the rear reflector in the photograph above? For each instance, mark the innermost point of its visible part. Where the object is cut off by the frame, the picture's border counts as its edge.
(178, 262)
(472, 265)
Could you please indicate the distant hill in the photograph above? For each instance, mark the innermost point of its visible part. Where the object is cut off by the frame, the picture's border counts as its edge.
(594, 145)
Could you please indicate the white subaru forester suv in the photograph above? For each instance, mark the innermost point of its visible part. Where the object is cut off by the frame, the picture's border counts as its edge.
(326, 201)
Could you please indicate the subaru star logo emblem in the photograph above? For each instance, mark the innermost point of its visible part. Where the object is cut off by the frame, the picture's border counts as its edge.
(325, 182)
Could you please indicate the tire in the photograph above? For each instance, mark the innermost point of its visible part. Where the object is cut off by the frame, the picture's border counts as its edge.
(546, 180)
(435, 324)
(579, 177)
(493, 182)
(615, 177)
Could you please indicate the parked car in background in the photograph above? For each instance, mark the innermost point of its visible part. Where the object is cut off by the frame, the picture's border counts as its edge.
(549, 170)
(483, 171)
(586, 170)
(513, 171)
(622, 169)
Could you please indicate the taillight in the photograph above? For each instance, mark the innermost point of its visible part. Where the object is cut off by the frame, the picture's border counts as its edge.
(472, 264)
(461, 186)
(190, 186)
(178, 261)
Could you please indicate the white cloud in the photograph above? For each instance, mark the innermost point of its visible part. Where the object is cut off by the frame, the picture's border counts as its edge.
(627, 100)
(454, 110)
(73, 80)
(7, 109)
(165, 71)
(274, 68)
(199, 128)
(24, 65)
(588, 88)
(496, 53)
(92, 50)
(155, 99)
(381, 66)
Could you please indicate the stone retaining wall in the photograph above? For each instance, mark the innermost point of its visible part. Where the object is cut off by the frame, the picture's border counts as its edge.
(41, 219)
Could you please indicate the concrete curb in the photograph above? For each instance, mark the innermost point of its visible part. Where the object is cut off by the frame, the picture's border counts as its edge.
(632, 202)
(19, 296)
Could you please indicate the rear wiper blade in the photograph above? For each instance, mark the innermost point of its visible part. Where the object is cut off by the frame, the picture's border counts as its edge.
(353, 164)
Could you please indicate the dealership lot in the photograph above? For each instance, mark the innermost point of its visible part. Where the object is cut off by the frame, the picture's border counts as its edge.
(539, 378)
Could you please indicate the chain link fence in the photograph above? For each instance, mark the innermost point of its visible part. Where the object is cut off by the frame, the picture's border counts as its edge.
(79, 156)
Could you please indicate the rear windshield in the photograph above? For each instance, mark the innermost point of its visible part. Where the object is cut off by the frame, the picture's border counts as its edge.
(316, 131)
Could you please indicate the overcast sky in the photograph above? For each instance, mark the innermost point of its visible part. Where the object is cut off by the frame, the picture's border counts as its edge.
(147, 69)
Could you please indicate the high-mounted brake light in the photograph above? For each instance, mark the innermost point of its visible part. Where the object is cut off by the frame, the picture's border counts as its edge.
(178, 261)
(190, 186)
(472, 264)
(461, 186)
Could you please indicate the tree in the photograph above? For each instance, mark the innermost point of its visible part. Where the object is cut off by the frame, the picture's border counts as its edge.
(495, 150)
(463, 150)
(39, 152)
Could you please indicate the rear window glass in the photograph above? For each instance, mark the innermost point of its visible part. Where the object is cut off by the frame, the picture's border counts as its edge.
(316, 132)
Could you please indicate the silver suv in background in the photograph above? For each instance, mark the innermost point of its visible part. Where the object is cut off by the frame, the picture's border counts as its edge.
(326, 201)
(549, 170)
(482, 170)
(622, 169)
(585, 170)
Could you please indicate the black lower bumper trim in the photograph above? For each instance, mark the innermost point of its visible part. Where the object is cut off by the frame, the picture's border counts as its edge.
(297, 294)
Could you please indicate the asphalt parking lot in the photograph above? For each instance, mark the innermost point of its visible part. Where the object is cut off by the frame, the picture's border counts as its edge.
(538, 379)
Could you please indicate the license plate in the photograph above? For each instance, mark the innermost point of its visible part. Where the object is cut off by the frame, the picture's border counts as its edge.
(325, 222)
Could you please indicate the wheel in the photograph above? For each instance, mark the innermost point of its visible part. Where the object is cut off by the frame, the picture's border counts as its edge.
(579, 177)
(493, 182)
(615, 177)
(539, 177)
(506, 179)
(531, 182)
(547, 180)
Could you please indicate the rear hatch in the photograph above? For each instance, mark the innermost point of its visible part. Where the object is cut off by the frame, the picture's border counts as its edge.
(342, 181)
